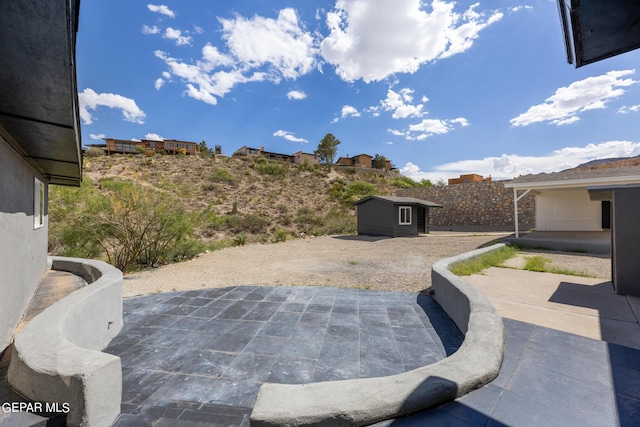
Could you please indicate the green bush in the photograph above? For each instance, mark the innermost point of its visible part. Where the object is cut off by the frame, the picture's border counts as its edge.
(268, 167)
(223, 175)
(404, 182)
(240, 239)
(127, 224)
(281, 235)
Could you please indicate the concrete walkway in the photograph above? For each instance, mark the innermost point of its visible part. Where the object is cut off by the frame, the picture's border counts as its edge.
(579, 305)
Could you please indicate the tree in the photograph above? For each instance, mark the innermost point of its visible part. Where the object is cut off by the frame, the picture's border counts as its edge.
(204, 150)
(378, 161)
(327, 149)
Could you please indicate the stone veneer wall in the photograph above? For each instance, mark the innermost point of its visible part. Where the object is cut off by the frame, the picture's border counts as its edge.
(481, 205)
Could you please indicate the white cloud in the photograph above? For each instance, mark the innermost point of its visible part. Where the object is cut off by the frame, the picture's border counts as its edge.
(373, 40)
(632, 109)
(289, 136)
(347, 111)
(508, 166)
(153, 137)
(150, 30)
(90, 100)
(176, 35)
(296, 94)
(162, 9)
(429, 127)
(282, 44)
(258, 49)
(589, 94)
(519, 8)
(98, 136)
(400, 104)
(198, 30)
(158, 83)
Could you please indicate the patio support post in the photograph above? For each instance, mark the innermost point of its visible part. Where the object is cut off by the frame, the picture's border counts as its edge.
(515, 207)
(516, 198)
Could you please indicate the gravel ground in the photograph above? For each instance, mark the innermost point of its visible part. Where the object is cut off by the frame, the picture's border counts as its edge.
(401, 264)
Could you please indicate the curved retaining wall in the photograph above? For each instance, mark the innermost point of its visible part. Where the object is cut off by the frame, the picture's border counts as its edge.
(368, 400)
(57, 356)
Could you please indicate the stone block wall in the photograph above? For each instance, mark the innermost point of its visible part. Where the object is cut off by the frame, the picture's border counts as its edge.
(481, 205)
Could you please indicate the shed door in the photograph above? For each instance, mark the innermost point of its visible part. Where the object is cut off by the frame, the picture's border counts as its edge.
(422, 223)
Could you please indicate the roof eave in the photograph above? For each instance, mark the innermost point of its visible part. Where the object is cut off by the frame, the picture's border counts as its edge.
(573, 183)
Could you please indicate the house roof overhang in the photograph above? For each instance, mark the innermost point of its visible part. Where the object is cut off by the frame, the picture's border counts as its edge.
(407, 201)
(39, 103)
(605, 192)
(596, 29)
(573, 183)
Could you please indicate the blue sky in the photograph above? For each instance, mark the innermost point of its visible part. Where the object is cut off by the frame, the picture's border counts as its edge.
(440, 88)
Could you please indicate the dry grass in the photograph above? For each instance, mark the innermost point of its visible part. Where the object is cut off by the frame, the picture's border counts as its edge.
(263, 199)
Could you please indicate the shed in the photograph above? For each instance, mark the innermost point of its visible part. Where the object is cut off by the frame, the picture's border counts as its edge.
(393, 216)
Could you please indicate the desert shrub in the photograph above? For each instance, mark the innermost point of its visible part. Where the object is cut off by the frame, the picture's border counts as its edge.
(308, 220)
(94, 152)
(223, 175)
(125, 223)
(338, 221)
(306, 166)
(250, 223)
(405, 182)
(209, 221)
(349, 193)
(240, 239)
(268, 167)
(281, 235)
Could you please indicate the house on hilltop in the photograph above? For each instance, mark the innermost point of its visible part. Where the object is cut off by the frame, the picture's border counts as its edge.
(468, 178)
(363, 161)
(170, 146)
(297, 158)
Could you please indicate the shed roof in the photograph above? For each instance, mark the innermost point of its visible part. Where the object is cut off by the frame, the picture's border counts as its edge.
(39, 105)
(402, 201)
(578, 177)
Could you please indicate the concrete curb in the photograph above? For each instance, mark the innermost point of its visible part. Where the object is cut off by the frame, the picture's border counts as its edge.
(369, 400)
(56, 357)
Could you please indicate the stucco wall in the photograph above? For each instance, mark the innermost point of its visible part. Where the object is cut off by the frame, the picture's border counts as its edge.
(482, 205)
(23, 250)
(568, 210)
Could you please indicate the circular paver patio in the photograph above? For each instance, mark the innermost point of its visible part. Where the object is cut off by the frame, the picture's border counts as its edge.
(201, 356)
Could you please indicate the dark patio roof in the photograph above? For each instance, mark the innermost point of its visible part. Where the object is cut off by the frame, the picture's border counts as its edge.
(402, 201)
(39, 103)
(578, 177)
(597, 29)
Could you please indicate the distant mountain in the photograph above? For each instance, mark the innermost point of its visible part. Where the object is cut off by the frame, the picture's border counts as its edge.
(614, 162)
